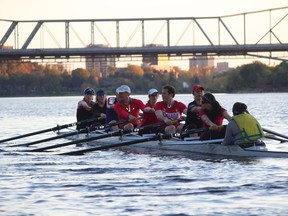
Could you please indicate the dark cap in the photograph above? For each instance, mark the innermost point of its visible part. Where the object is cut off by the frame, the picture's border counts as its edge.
(196, 87)
(100, 92)
(89, 91)
(239, 108)
(209, 98)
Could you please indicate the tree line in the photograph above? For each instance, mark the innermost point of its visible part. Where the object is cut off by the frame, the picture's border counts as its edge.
(35, 79)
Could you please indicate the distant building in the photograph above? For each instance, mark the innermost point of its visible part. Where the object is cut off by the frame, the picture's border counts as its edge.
(201, 61)
(65, 66)
(156, 61)
(222, 67)
(100, 63)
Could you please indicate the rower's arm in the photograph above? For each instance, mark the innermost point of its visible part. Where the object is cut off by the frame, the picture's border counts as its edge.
(207, 121)
(227, 116)
(231, 130)
(185, 111)
(161, 117)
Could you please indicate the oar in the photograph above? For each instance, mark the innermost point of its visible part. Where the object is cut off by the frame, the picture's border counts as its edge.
(157, 137)
(276, 138)
(117, 123)
(275, 133)
(115, 133)
(198, 130)
(58, 127)
(84, 130)
(115, 145)
(196, 142)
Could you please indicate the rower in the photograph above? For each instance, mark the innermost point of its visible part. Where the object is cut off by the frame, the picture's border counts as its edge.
(99, 108)
(111, 115)
(149, 116)
(128, 108)
(169, 110)
(212, 115)
(193, 119)
(243, 129)
(84, 108)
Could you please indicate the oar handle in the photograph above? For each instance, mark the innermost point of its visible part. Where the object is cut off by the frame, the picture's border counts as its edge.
(159, 124)
(115, 123)
(216, 127)
(198, 130)
(119, 122)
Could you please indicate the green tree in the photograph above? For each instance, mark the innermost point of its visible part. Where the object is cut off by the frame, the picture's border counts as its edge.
(279, 76)
(79, 76)
(254, 75)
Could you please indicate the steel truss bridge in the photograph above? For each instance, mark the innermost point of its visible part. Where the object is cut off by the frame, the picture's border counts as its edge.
(259, 34)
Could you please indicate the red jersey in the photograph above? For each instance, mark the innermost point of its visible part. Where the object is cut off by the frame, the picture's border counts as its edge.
(174, 112)
(123, 111)
(217, 121)
(149, 118)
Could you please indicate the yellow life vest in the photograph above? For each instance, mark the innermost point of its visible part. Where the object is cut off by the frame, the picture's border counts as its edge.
(250, 128)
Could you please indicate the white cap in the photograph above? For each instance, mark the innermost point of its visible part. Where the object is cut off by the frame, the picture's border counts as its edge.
(123, 88)
(117, 90)
(152, 91)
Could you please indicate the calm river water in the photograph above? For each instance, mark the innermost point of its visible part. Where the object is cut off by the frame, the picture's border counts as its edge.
(120, 183)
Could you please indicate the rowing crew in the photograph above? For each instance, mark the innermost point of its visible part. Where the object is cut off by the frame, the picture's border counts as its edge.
(123, 107)
(204, 112)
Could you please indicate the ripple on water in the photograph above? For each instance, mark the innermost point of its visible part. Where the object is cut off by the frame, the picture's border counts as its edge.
(140, 183)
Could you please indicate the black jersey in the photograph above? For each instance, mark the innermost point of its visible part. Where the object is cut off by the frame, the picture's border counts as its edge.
(193, 119)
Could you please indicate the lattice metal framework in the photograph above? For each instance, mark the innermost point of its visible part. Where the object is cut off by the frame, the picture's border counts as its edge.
(238, 34)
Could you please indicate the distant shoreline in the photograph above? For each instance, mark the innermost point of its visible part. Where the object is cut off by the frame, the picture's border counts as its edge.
(240, 92)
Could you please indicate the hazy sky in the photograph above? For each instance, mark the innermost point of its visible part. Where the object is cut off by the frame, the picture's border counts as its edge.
(97, 9)
(75, 9)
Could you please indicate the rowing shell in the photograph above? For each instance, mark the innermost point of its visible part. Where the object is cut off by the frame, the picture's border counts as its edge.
(207, 147)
